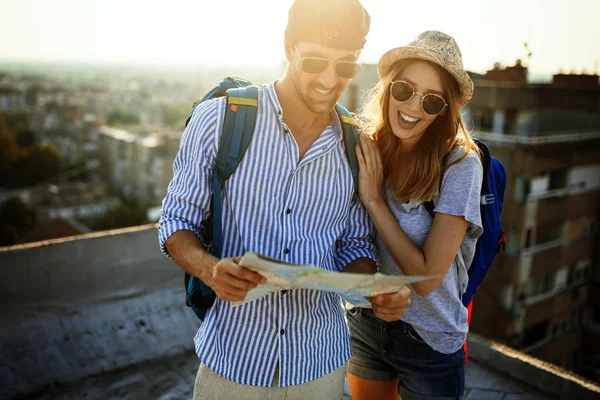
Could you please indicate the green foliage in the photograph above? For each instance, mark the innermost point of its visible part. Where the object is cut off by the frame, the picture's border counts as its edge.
(120, 217)
(31, 95)
(120, 118)
(16, 219)
(175, 113)
(26, 166)
(15, 121)
(25, 138)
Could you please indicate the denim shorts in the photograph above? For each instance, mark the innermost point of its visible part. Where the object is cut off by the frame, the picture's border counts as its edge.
(383, 351)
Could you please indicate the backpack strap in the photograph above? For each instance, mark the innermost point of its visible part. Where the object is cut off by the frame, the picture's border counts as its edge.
(218, 91)
(238, 127)
(429, 206)
(351, 139)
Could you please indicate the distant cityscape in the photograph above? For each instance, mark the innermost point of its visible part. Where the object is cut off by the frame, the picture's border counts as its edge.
(89, 148)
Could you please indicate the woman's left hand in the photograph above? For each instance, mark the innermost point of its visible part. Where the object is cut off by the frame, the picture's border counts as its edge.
(370, 174)
(392, 306)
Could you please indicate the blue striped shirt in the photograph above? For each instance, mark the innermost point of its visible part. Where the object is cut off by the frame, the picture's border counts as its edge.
(299, 212)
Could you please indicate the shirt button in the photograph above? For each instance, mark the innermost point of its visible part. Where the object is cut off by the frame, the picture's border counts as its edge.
(286, 251)
(282, 331)
(288, 211)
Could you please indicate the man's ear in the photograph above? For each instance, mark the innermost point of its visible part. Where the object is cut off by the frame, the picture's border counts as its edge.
(289, 49)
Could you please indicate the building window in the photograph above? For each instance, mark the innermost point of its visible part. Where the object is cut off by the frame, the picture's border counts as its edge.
(549, 233)
(540, 184)
(596, 315)
(541, 284)
(527, 238)
(522, 189)
(506, 297)
(558, 179)
(575, 317)
(513, 243)
(536, 333)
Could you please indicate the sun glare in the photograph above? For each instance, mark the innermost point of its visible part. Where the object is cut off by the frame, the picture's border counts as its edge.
(251, 32)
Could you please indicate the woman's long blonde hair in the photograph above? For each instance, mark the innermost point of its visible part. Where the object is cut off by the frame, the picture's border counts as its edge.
(432, 150)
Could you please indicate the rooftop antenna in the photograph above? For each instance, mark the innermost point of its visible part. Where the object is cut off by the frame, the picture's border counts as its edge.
(528, 51)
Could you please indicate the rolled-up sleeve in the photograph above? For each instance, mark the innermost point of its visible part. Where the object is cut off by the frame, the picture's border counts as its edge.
(187, 203)
(357, 239)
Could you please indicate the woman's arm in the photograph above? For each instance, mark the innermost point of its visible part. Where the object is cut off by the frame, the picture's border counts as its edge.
(443, 240)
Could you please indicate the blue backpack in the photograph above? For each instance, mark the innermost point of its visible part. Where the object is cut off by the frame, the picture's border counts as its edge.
(238, 127)
(492, 238)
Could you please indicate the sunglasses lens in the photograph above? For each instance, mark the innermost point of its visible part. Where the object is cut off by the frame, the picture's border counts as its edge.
(346, 69)
(433, 104)
(402, 91)
(314, 65)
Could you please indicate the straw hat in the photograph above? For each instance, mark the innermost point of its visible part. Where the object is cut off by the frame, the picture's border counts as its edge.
(438, 48)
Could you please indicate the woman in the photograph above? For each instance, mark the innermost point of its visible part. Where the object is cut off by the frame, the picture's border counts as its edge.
(421, 151)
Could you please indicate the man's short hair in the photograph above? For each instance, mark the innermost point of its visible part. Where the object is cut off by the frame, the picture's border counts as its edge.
(341, 24)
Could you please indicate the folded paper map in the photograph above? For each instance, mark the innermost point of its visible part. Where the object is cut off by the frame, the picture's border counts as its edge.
(351, 287)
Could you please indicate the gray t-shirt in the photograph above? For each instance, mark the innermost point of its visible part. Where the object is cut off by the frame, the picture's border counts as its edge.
(440, 318)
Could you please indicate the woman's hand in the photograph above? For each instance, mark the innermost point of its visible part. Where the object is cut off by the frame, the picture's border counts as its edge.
(392, 306)
(370, 174)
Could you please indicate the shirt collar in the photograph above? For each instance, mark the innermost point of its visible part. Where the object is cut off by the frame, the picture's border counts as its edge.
(272, 95)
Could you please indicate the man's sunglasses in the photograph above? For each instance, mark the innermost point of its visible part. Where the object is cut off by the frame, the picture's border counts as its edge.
(431, 103)
(316, 65)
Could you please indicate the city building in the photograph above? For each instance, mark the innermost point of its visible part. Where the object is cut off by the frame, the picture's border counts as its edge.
(11, 97)
(137, 167)
(539, 296)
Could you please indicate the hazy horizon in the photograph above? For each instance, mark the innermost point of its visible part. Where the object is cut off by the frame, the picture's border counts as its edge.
(201, 33)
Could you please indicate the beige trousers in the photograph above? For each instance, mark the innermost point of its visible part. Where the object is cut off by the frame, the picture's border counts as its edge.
(210, 386)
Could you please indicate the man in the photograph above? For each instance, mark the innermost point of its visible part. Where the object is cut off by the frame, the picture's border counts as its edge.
(291, 199)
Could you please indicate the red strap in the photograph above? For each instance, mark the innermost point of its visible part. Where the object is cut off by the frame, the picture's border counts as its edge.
(469, 312)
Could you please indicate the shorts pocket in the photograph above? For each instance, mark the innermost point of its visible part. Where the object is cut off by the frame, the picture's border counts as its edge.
(415, 335)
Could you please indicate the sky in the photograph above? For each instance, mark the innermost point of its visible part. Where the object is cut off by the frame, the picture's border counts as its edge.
(562, 35)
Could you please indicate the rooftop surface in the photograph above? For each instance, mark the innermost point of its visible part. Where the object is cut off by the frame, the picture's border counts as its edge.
(101, 316)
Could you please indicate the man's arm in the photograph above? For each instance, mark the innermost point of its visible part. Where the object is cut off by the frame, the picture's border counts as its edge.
(187, 205)
(362, 265)
(189, 253)
(226, 277)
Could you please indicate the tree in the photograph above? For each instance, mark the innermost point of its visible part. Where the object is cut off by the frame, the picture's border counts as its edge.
(16, 219)
(26, 166)
(120, 217)
(32, 94)
(10, 153)
(39, 163)
(25, 138)
(119, 118)
(16, 121)
(174, 113)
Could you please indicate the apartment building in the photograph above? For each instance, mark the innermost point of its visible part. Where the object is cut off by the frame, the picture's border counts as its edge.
(137, 167)
(540, 296)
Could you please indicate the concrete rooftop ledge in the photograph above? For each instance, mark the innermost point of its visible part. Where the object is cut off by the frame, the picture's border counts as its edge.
(546, 377)
(93, 313)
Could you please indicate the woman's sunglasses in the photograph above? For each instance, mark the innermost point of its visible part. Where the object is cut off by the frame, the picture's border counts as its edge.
(431, 103)
(316, 65)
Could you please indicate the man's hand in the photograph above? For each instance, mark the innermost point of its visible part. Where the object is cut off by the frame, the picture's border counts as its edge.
(391, 306)
(231, 281)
